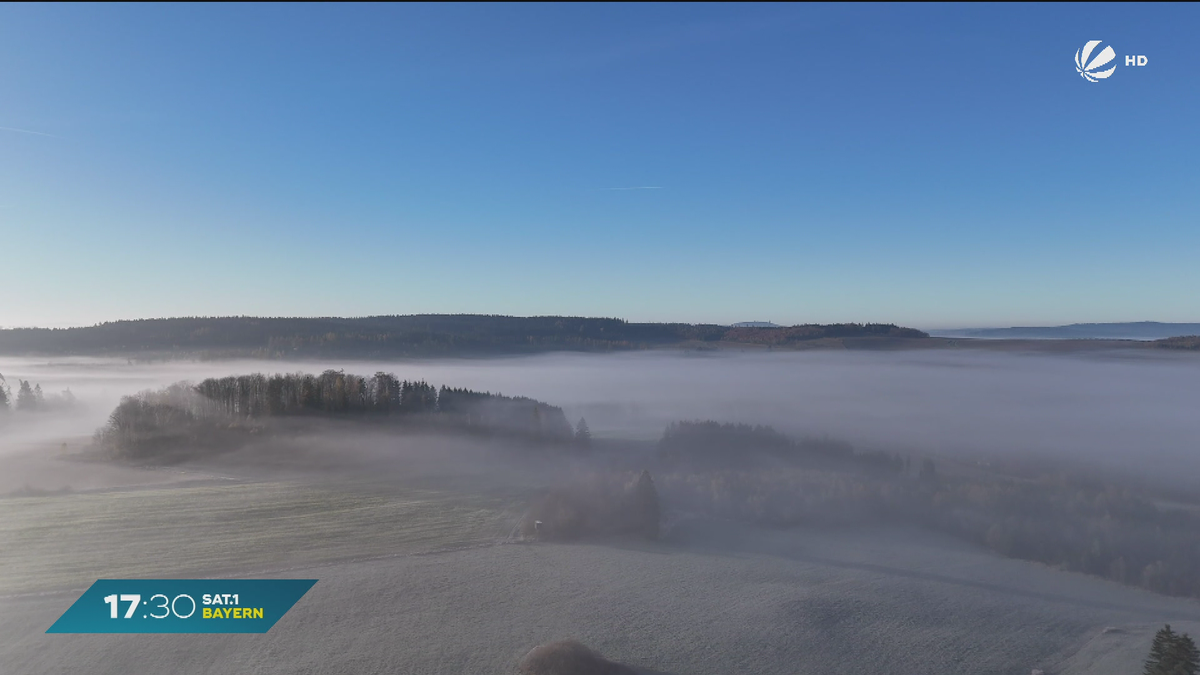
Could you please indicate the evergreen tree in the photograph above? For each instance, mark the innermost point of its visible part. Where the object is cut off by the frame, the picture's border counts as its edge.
(1162, 657)
(26, 400)
(4, 395)
(583, 435)
(646, 512)
(1185, 659)
(928, 472)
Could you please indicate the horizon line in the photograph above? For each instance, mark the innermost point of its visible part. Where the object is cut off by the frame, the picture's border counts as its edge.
(566, 316)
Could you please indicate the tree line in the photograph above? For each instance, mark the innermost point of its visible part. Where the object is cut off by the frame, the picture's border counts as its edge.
(331, 392)
(1188, 342)
(335, 392)
(805, 333)
(391, 336)
(710, 444)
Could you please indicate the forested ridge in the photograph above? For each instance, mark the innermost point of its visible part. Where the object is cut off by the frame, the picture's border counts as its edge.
(414, 335)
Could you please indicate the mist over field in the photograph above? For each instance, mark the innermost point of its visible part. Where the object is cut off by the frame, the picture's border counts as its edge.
(1047, 566)
(1113, 406)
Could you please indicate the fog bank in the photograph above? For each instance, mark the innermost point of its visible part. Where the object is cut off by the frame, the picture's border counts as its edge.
(1130, 406)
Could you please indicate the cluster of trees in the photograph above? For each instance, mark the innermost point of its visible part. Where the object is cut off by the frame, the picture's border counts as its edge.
(1172, 654)
(793, 334)
(1059, 518)
(1100, 529)
(390, 336)
(1189, 342)
(519, 415)
(166, 424)
(602, 505)
(716, 445)
(214, 412)
(330, 393)
(29, 398)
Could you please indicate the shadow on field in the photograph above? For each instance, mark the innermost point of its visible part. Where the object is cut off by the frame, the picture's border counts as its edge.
(1148, 613)
(732, 540)
(570, 657)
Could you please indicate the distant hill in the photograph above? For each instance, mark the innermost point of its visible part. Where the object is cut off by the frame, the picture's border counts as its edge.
(1139, 330)
(755, 324)
(403, 336)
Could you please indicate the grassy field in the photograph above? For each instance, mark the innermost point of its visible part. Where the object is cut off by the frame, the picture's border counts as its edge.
(68, 541)
(710, 598)
(802, 602)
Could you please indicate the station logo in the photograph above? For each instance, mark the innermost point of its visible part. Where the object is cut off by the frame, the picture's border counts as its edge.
(181, 605)
(1090, 64)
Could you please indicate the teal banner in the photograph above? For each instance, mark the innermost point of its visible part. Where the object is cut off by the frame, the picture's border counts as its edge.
(182, 606)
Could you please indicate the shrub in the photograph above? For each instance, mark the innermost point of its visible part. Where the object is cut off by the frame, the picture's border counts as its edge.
(568, 657)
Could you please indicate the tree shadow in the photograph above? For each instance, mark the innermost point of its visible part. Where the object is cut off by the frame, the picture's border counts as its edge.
(745, 543)
(1004, 589)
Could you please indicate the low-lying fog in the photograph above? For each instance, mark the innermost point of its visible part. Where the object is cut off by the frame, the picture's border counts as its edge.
(1133, 407)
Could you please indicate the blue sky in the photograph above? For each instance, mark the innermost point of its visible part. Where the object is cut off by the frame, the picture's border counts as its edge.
(929, 165)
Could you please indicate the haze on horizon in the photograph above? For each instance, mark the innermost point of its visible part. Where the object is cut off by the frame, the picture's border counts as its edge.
(917, 165)
(1069, 406)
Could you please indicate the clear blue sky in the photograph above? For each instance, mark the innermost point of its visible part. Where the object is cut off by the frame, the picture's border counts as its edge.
(934, 166)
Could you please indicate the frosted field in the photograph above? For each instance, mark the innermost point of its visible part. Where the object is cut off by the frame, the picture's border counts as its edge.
(69, 541)
(712, 599)
(416, 577)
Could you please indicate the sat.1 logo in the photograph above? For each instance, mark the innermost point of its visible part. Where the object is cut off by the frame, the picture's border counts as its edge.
(1090, 64)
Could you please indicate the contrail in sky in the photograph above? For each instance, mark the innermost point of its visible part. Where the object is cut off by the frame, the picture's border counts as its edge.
(642, 187)
(27, 131)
